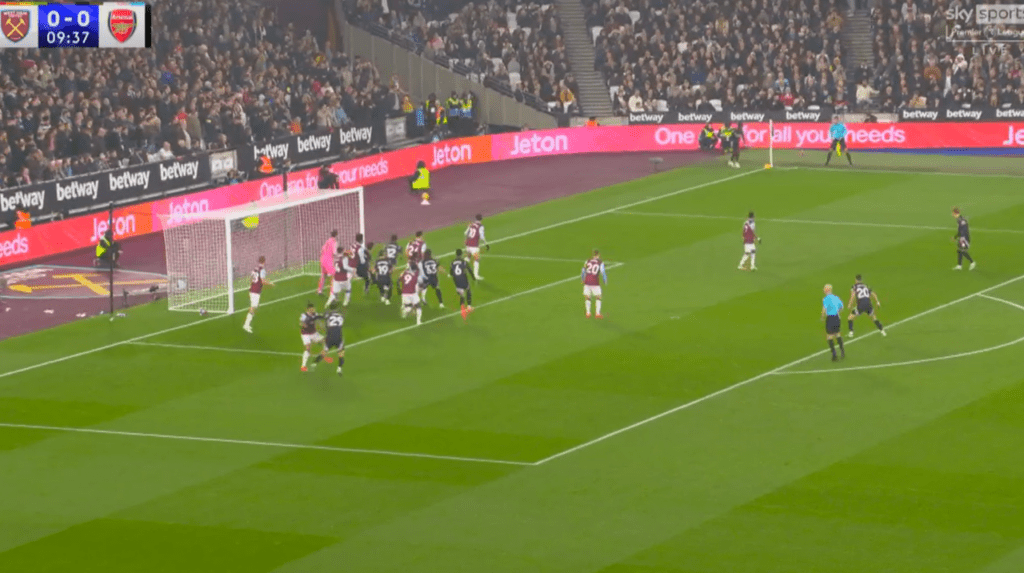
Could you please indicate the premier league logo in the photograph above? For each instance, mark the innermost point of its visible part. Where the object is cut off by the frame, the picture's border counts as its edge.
(14, 24)
(122, 24)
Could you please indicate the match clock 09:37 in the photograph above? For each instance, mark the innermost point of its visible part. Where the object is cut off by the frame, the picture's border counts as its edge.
(69, 26)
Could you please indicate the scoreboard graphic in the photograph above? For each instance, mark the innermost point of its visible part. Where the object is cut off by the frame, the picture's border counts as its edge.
(75, 25)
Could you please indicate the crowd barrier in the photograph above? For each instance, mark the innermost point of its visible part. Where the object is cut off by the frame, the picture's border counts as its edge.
(19, 246)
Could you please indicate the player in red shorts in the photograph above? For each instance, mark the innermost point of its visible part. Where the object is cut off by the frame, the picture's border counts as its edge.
(475, 236)
(410, 283)
(593, 274)
(256, 283)
(750, 240)
(327, 260)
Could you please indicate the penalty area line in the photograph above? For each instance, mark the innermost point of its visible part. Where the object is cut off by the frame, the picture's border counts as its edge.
(761, 376)
(281, 445)
(306, 294)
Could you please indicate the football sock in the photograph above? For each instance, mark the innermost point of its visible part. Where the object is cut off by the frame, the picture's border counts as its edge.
(968, 257)
(320, 287)
(305, 358)
(743, 261)
(476, 268)
(405, 311)
(753, 258)
(587, 303)
(330, 299)
(850, 322)
(318, 358)
(598, 303)
(348, 296)
(462, 300)
(419, 314)
(840, 339)
(959, 259)
(440, 300)
(248, 320)
(828, 158)
(878, 323)
(849, 158)
(832, 346)
(341, 362)
(469, 297)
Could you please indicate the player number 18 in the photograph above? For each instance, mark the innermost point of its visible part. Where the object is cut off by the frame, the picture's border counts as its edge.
(53, 18)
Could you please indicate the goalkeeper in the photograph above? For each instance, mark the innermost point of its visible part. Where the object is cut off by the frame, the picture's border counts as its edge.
(419, 183)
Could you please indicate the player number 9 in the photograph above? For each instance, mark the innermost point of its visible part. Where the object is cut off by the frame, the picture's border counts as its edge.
(407, 278)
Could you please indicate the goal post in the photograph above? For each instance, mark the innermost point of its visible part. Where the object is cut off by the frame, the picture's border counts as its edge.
(212, 255)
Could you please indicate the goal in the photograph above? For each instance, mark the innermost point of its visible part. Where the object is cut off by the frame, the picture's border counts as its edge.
(211, 255)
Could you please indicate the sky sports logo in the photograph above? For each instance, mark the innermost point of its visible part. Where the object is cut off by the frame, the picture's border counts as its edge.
(988, 14)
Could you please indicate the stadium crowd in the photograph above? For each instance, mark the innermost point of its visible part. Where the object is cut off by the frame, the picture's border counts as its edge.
(753, 55)
(916, 67)
(221, 74)
(518, 44)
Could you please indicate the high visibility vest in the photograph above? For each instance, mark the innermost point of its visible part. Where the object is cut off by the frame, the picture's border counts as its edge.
(102, 247)
(591, 123)
(24, 221)
(467, 108)
(453, 106)
(440, 118)
(726, 132)
(422, 179)
(708, 132)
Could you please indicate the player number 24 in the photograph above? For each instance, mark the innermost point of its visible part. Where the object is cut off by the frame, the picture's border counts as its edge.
(53, 18)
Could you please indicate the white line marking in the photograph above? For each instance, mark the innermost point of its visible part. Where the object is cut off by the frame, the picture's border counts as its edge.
(816, 222)
(1004, 301)
(215, 348)
(904, 363)
(302, 294)
(541, 259)
(259, 443)
(867, 169)
(922, 360)
(761, 376)
(379, 336)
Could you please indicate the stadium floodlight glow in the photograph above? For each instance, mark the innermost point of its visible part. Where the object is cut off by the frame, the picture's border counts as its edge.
(211, 255)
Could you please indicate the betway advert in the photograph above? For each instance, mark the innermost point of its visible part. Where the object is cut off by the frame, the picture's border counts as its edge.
(47, 239)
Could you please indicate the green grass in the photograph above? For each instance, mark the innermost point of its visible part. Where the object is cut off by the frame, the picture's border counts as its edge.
(532, 439)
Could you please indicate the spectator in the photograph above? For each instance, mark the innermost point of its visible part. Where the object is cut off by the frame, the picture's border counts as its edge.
(865, 94)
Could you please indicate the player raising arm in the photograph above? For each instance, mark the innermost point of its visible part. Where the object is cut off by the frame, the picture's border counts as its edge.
(428, 272)
(750, 240)
(334, 340)
(475, 236)
(593, 274)
(256, 284)
(410, 283)
(460, 276)
(327, 260)
(862, 294)
(307, 329)
(382, 276)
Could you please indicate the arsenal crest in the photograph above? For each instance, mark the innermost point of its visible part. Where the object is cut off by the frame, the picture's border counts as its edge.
(122, 24)
(14, 24)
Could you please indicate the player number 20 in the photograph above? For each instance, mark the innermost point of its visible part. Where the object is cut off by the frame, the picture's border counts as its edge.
(862, 292)
(593, 268)
(53, 18)
(472, 232)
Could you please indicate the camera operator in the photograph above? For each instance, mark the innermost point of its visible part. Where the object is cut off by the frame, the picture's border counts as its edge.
(328, 179)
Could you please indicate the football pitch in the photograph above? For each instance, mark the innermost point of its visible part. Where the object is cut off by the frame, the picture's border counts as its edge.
(700, 427)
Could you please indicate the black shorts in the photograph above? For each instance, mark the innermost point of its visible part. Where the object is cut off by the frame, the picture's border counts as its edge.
(334, 341)
(462, 285)
(833, 324)
(863, 308)
(363, 272)
(839, 144)
(431, 281)
(384, 282)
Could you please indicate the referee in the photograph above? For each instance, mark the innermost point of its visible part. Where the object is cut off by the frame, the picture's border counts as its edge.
(837, 131)
(833, 324)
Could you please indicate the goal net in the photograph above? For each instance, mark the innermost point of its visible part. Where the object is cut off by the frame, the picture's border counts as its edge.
(211, 256)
